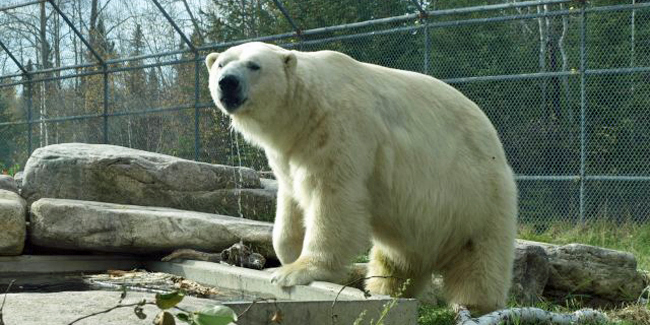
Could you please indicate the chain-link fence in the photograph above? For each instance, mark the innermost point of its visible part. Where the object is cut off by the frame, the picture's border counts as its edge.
(566, 83)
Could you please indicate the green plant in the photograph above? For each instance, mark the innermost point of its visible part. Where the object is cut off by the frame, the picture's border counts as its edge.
(210, 315)
(11, 170)
(387, 307)
(435, 315)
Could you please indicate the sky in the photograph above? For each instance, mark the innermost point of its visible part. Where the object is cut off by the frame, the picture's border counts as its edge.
(19, 27)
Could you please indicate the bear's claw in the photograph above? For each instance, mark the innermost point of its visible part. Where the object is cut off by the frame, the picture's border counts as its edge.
(289, 275)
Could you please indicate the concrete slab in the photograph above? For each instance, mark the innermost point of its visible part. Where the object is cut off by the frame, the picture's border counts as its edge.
(310, 304)
(64, 307)
(237, 278)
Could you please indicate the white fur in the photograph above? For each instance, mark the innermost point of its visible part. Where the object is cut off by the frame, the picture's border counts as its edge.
(370, 155)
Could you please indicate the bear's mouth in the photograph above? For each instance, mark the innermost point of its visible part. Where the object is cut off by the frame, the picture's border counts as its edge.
(231, 104)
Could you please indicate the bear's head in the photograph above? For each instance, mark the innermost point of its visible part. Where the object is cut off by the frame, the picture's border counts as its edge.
(250, 79)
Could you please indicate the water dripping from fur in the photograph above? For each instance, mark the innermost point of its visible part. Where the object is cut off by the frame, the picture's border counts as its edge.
(239, 178)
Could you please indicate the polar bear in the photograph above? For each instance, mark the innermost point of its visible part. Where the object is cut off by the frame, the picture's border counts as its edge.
(372, 156)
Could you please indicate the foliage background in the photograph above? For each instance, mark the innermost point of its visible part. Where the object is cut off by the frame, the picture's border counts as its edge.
(524, 70)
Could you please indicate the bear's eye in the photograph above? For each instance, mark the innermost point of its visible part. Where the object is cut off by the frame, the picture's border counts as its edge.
(220, 65)
(253, 66)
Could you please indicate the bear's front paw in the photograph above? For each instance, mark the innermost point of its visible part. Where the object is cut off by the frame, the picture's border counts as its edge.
(288, 276)
(302, 271)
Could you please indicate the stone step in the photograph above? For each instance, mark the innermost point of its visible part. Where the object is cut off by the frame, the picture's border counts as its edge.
(118, 228)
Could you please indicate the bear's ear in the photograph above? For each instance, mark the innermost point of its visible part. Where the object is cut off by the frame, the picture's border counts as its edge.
(210, 59)
(290, 60)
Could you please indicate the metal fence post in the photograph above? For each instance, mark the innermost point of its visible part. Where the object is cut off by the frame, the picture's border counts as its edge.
(583, 104)
(293, 24)
(197, 114)
(423, 16)
(427, 47)
(29, 114)
(105, 114)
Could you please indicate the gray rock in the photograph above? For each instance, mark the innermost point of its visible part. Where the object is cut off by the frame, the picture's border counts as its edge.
(107, 227)
(530, 273)
(8, 183)
(267, 174)
(115, 174)
(593, 271)
(18, 178)
(256, 204)
(13, 211)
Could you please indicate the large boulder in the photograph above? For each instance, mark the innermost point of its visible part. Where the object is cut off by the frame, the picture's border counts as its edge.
(8, 183)
(116, 174)
(592, 271)
(530, 273)
(597, 275)
(13, 211)
(108, 227)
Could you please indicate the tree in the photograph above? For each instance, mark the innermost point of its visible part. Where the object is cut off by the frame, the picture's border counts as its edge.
(136, 80)
(9, 134)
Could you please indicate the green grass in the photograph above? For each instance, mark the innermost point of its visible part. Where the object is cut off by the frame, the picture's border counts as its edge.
(626, 236)
(435, 315)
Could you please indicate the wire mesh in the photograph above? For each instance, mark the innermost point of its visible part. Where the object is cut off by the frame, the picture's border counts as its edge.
(567, 86)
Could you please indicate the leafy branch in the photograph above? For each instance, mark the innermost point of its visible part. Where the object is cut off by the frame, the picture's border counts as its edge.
(136, 305)
(209, 315)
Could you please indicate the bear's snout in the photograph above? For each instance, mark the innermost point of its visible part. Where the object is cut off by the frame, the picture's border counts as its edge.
(228, 83)
(230, 87)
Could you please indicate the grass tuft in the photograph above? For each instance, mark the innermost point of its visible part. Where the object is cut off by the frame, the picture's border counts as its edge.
(636, 314)
(433, 315)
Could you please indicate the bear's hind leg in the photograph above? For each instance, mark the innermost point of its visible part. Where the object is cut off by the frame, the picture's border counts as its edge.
(479, 276)
(387, 276)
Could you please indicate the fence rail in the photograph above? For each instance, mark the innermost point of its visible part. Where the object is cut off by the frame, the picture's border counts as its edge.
(566, 85)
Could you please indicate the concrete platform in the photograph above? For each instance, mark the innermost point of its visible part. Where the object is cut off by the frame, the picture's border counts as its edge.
(61, 308)
(317, 303)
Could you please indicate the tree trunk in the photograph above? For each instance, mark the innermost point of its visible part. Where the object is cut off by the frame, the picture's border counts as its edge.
(194, 22)
(93, 22)
(45, 62)
(543, 29)
(565, 79)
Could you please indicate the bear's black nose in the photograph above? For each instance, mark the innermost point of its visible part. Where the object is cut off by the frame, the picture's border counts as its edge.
(228, 84)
